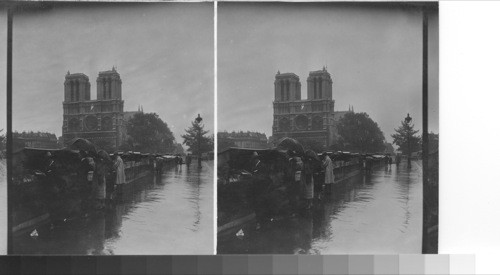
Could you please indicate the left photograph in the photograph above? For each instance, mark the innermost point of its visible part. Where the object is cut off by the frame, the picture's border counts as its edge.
(112, 123)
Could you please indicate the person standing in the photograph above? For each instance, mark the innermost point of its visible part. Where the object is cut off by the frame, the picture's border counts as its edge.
(120, 171)
(309, 183)
(259, 189)
(328, 166)
(100, 191)
(188, 160)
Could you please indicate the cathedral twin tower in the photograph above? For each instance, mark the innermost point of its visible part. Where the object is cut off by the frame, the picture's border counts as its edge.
(310, 119)
(100, 120)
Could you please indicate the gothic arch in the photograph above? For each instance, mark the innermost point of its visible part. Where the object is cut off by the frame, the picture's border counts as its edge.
(317, 123)
(284, 125)
(320, 88)
(106, 123)
(77, 90)
(301, 122)
(91, 123)
(74, 125)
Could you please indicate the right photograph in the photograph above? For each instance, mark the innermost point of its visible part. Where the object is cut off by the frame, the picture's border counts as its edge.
(328, 128)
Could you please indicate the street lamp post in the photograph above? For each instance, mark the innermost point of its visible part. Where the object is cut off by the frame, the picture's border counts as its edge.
(198, 121)
(408, 120)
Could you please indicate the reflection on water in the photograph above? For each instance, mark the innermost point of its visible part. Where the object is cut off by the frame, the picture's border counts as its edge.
(380, 213)
(171, 214)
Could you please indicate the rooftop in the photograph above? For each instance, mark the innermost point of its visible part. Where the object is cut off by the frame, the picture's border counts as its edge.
(286, 75)
(112, 71)
(320, 72)
(76, 75)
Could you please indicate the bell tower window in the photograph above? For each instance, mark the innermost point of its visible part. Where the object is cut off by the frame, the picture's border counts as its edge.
(72, 91)
(287, 90)
(77, 91)
(282, 88)
(320, 88)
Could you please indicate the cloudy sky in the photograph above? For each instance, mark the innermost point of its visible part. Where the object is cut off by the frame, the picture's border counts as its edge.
(163, 52)
(373, 54)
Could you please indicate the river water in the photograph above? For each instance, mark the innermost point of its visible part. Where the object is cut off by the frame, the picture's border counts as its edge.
(376, 214)
(171, 214)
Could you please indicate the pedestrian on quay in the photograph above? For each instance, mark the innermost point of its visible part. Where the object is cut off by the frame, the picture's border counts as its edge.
(297, 186)
(100, 188)
(119, 167)
(188, 160)
(258, 189)
(309, 183)
(328, 166)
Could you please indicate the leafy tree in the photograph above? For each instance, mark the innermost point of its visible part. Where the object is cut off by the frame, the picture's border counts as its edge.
(191, 139)
(3, 141)
(211, 142)
(433, 142)
(149, 134)
(406, 134)
(60, 142)
(358, 132)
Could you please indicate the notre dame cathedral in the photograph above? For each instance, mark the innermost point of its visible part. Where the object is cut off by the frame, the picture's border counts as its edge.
(100, 121)
(310, 119)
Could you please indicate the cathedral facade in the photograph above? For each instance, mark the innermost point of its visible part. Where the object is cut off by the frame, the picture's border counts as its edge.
(309, 119)
(100, 120)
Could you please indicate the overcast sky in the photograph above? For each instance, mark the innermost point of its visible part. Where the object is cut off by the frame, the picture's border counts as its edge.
(374, 56)
(163, 52)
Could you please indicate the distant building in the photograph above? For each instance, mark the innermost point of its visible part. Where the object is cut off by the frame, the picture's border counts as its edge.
(40, 140)
(313, 118)
(101, 120)
(251, 140)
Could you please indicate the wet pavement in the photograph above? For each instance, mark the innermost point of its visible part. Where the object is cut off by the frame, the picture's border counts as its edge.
(375, 214)
(171, 214)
